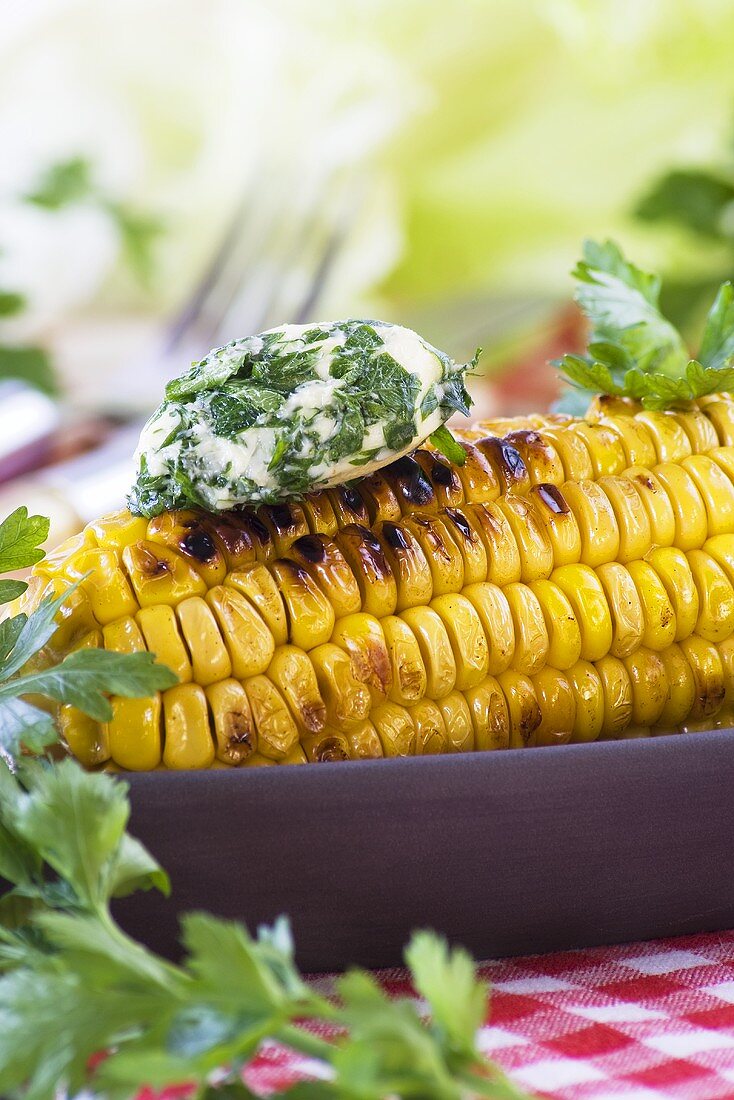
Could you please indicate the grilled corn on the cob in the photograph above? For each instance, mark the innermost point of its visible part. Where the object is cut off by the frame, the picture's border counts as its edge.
(573, 580)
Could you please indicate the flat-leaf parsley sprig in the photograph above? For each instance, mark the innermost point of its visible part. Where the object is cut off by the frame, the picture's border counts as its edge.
(633, 350)
(84, 678)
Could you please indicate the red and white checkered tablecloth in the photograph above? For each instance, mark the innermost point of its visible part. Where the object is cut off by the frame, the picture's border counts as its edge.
(643, 1021)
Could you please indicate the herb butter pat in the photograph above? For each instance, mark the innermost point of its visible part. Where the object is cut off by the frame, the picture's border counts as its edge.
(297, 408)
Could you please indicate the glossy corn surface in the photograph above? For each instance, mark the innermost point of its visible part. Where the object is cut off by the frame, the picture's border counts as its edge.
(572, 581)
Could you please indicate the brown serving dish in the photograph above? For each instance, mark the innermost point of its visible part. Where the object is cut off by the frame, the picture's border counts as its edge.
(505, 852)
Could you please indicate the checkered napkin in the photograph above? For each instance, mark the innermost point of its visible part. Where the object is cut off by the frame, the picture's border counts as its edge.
(643, 1021)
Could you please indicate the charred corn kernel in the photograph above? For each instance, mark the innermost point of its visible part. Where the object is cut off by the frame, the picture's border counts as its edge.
(188, 742)
(364, 742)
(430, 730)
(563, 634)
(503, 555)
(160, 575)
(327, 747)
(443, 477)
(408, 564)
(681, 688)
(725, 650)
(310, 614)
(257, 760)
(441, 552)
(293, 674)
(117, 529)
(94, 639)
(436, 650)
(183, 532)
(87, 739)
(73, 619)
(348, 506)
(636, 440)
(324, 562)
(698, 428)
(672, 568)
(490, 715)
(467, 638)
(649, 685)
(533, 543)
(123, 636)
(721, 415)
(717, 492)
(246, 637)
(588, 694)
(617, 692)
(708, 677)
(380, 500)
(625, 608)
(366, 558)
(233, 537)
(408, 671)
(635, 534)
(159, 627)
(529, 629)
(484, 475)
(605, 448)
(522, 708)
(557, 704)
(559, 523)
(669, 438)
(541, 459)
(715, 597)
(656, 504)
(286, 522)
(661, 626)
(109, 594)
(584, 592)
(256, 582)
(258, 536)
(274, 725)
(295, 756)
(507, 469)
(64, 561)
(133, 733)
(691, 521)
(457, 720)
(493, 609)
(234, 729)
(413, 490)
(470, 544)
(574, 453)
(347, 701)
(395, 728)
(361, 636)
(597, 523)
(210, 660)
(319, 514)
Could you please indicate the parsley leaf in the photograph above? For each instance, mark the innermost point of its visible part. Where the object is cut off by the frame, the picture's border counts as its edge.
(86, 676)
(717, 345)
(21, 536)
(444, 442)
(62, 184)
(633, 350)
(696, 199)
(621, 302)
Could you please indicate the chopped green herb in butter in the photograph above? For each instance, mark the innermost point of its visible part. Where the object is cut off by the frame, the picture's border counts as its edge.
(297, 408)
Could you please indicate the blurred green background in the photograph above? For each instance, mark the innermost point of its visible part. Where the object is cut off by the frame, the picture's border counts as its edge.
(445, 157)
